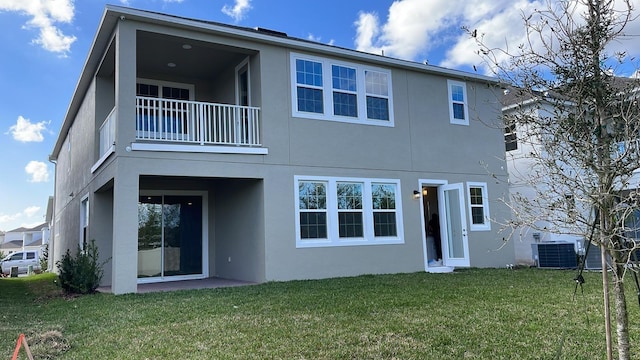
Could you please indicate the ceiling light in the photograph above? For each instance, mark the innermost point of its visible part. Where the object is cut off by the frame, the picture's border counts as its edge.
(186, 46)
(171, 65)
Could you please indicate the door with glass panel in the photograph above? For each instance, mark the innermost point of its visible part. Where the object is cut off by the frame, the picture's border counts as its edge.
(170, 236)
(456, 246)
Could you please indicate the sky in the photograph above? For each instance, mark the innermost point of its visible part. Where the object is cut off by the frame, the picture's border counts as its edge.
(45, 43)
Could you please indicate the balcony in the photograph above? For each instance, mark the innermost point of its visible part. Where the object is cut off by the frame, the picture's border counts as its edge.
(195, 122)
(188, 126)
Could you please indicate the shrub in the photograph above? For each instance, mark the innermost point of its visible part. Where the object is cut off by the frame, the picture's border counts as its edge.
(44, 259)
(80, 274)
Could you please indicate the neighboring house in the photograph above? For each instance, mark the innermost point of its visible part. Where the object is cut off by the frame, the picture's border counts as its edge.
(193, 149)
(25, 238)
(521, 166)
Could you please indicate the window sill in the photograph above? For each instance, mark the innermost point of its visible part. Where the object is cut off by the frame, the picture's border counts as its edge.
(301, 244)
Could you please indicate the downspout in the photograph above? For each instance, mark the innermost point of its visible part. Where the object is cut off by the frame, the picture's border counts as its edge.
(53, 214)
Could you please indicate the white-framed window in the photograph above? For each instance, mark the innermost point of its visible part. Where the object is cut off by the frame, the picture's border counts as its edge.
(84, 221)
(327, 89)
(162, 109)
(458, 109)
(510, 135)
(478, 206)
(333, 211)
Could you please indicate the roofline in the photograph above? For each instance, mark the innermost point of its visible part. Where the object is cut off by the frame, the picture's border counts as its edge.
(113, 13)
(288, 41)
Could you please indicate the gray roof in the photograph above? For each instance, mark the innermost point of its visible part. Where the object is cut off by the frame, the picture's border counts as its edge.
(24, 229)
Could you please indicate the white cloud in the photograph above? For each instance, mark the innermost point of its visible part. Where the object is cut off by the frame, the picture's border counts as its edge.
(367, 30)
(38, 170)
(31, 211)
(4, 218)
(44, 14)
(26, 131)
(415, 27)
(27, 218)
(318, 39)
(237, 11)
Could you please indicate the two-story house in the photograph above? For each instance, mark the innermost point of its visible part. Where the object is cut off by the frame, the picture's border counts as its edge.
(193, 149)
(555, 219)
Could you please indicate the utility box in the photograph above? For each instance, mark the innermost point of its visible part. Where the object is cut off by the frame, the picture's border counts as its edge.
(558, 255)
(14, 271)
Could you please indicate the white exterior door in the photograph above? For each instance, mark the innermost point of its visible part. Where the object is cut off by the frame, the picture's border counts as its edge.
(453, 225)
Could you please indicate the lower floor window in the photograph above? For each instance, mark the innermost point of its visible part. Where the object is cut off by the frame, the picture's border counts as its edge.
(347, 211)
(478, 206)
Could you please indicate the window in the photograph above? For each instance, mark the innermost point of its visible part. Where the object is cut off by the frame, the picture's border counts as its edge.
(309, 86)
(347, 211)
(377, 89)
(16, 256)
(384, 209)
(478, 206)
(330, 90)
(162, 110)
(84, 221)
(345, 98)
(312, 205)
(510, 138)
(458, 112)
(31, 255)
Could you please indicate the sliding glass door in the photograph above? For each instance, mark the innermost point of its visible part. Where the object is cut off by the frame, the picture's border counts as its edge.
(170, 236)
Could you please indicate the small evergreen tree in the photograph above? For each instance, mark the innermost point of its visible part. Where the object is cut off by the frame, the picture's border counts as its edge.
(80, 274)
(44, 259)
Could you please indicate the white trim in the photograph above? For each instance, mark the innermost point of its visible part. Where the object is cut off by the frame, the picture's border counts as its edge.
(486, 226)
(135, 146)
(84, 219)
(205, 236)
(327, 91)
(333, 238)
(242, 64)
(452, 119)
(103, 158)
(428, 183)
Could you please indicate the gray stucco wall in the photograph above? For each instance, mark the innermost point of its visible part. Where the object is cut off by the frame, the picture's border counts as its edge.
(258, 213)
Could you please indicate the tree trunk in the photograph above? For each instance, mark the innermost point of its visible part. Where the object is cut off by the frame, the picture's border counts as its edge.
(605, 292)
(622, 320)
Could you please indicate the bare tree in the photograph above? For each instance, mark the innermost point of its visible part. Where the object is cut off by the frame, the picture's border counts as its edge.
(578, 126)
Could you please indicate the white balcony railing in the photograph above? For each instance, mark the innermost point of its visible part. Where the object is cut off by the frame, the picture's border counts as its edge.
(108, 133)
(196, 122)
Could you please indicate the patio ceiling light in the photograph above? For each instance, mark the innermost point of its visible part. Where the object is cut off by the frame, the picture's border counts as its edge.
(171, 65)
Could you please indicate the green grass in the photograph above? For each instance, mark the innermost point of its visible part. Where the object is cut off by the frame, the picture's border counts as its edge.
(470, 314)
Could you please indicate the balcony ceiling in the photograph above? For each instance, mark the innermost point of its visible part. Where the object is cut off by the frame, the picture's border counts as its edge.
(202, 60)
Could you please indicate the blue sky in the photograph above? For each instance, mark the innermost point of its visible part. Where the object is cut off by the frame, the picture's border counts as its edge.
(45, 43)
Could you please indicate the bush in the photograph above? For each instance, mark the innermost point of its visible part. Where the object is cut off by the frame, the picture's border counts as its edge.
(80, 274)
(44, 259)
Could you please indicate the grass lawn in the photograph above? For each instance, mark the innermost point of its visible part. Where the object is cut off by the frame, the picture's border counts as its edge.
(469, 314)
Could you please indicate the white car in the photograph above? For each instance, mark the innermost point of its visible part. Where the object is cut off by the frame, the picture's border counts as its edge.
(21, 259)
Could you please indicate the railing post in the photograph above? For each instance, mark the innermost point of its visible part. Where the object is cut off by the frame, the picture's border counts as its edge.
(201, 122)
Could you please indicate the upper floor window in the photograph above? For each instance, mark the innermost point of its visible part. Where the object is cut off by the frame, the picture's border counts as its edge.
(346, 211)
(478, 206)
(458, 109)
(510, 137)
(331, 90)
(309, 86)
(162, 110)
